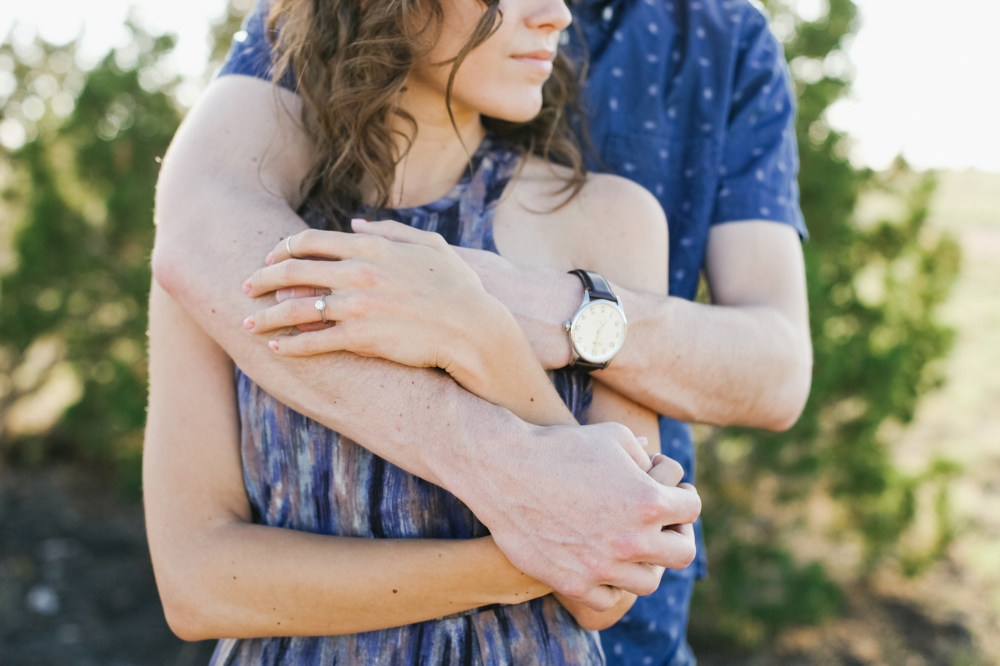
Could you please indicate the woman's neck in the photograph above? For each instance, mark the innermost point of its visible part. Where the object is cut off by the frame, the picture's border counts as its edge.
(437, 157)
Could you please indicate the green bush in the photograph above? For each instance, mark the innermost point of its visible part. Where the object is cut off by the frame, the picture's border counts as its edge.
(73, 319)
(73, 308)
(874, 290)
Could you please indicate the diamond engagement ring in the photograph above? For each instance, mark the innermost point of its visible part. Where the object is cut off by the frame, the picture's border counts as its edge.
(288, 246)
(321, 306)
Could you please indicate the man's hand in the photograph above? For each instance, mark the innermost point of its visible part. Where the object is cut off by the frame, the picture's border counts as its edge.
(581, 513)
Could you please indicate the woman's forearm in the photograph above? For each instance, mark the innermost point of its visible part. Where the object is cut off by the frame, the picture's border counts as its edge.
(501, 367)
(244, 581)
(221, 575)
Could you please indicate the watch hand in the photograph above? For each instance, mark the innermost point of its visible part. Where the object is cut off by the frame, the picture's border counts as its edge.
(597, 338)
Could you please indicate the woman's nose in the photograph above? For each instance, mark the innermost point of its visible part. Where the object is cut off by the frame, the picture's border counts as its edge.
(549, 15)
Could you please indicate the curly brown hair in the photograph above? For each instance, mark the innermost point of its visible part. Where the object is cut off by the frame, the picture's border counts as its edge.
(350, 61)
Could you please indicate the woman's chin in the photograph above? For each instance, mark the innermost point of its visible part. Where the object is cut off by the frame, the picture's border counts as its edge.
(516, 111)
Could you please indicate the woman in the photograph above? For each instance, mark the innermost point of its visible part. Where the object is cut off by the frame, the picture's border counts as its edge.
(396, 95)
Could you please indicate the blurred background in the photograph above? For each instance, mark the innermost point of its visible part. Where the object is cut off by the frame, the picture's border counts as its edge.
(868, 534)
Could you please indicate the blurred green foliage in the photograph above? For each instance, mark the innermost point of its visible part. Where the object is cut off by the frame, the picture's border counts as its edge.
(78, 200)
(874, 289)
(80, 191)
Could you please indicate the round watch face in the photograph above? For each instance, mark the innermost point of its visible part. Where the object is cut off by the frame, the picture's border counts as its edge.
(598, 331)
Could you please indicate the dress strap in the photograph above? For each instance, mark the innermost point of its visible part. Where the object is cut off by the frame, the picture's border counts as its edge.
(480, 198)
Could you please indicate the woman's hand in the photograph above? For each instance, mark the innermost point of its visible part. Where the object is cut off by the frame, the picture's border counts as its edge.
(394, 292)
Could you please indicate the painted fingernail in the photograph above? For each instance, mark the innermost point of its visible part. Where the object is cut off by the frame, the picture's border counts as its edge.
(643, 441)
(247, 287)
(248, 322)
(358, 220)
(284, 294)
(269, 259)
(273, 344)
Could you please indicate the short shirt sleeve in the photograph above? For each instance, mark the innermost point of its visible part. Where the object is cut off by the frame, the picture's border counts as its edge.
(760, 162)
(251, 53)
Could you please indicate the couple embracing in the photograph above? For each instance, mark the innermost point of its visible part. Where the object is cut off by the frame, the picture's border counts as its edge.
(421, 363)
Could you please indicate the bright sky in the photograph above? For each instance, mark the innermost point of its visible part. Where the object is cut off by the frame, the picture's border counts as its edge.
(928, 71)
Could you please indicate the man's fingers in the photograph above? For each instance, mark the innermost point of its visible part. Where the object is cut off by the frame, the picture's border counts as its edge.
(666, 471)
(634, 449)
(676, 548)
(679, 505)
(686, 530)
(639, 578)
(601, 598)
(673, 548)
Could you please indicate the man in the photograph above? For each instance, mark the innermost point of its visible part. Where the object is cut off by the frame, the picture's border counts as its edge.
(691, 99)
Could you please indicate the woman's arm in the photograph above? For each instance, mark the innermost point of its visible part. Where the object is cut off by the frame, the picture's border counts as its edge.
(445, 319)
(221, 575)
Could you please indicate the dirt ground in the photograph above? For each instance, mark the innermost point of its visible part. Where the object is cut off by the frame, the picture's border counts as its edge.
(76, 583)
(77, 588)
(879, 629)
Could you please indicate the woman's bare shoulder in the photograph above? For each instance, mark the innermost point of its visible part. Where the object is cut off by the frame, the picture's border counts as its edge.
(613, 225)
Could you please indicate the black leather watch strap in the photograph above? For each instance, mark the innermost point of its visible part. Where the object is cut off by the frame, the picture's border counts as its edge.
(581, 364)
(596, 285)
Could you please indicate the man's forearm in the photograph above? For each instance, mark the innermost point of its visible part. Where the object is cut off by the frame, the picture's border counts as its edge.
(692, 362)
(745, 360)
(387, 407)
(712, 364)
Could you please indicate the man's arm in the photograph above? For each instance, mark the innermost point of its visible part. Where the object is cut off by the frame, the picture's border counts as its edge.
(223, 202)
(744, 360)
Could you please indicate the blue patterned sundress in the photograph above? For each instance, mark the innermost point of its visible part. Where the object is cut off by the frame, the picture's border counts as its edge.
(301, 475)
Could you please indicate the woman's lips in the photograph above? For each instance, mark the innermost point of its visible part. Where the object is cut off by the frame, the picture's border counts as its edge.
(540, 60)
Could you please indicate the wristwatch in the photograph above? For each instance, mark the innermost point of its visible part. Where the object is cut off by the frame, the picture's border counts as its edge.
(597, 330)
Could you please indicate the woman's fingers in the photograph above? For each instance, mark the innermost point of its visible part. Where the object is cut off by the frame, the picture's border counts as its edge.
(321, 244)
(395, 231)
(295, 312)
(332, 339)
(666, 470)
(297, 292)
(297, 273)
